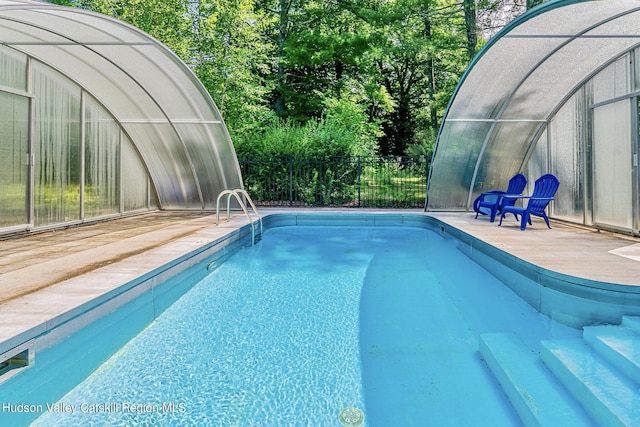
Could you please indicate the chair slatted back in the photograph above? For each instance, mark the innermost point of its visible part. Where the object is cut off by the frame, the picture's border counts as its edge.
(516, 187)
(517, 184)
(545, 186)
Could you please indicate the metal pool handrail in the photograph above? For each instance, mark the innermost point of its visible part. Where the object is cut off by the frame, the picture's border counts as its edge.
(236, 193)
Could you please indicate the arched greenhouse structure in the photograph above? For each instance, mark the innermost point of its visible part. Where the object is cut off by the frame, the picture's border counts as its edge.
(557, 90)
(98, 119)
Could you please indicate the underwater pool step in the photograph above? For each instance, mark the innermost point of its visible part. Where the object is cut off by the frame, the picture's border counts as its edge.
(631, 322)
(618, 345)
(536, 395)
(609, 396)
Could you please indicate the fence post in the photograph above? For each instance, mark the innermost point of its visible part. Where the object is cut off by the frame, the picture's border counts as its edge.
(426, 181)
(359, 169)
(290, 180)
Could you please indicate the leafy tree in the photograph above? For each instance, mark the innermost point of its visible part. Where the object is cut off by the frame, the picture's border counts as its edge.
(342, 131)
(419, 60)
(232, 59)
(282, 14)
(320, 63)
(324, 57)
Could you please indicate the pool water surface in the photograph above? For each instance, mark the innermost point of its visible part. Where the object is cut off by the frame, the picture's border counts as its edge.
(312, 320)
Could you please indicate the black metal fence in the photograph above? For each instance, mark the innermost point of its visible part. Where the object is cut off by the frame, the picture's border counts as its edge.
(361, 181)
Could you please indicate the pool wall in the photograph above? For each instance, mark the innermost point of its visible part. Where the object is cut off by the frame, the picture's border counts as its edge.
(72, 345)
(570, 300)
(69, 347)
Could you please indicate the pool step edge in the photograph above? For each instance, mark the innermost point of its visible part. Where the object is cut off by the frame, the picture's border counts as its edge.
(609, 396)
(631, 322)
(534, 392)
(618, 345)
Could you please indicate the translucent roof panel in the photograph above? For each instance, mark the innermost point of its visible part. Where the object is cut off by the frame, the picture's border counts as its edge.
(151, 93)
(516, 84)
(481, 97)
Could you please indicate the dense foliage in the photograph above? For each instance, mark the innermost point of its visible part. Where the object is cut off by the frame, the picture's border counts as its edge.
(320, 77)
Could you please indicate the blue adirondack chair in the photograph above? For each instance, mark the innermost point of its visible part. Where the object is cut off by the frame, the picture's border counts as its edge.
(490, 202)
(544, 190)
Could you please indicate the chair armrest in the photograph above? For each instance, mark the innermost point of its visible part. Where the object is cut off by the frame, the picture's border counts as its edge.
(515, 196)
(512, 196)
(481, 197)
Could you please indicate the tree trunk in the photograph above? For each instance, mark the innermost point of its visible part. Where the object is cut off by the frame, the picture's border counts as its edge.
(280, 105)
(432, 80)
(470, 24)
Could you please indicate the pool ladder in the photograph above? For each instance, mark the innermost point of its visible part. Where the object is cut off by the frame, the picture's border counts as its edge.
(236, 193)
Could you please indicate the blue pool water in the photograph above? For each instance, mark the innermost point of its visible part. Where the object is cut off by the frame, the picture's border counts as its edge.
(312, 320)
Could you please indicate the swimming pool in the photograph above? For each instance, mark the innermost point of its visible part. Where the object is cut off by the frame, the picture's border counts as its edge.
(384, 317)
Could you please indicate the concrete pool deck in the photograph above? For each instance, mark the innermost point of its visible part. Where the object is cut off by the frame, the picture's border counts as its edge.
(576, 251)
(47, 274)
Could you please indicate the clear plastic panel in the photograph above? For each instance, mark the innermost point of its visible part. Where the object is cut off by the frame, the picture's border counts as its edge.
(503, 154)
(623, 25)
(101, 162)
(168, 164)
(572, 19)
(88, 27)
(566, 147)
(163, 81)
(205, 144)
(171, 83)
(547, 87)
(57, 147)
(22, 34)
(11, 3)
(226, 155)
(538, 164)
(454, 163)
(14, 130)
(136, 191)
(13, 68)
(613, 198)
(77, 23)
(59, 21)
(636, 73)
(482, 94)
(125, 98)
(101, 69)
(201, 147)
(613, 81)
